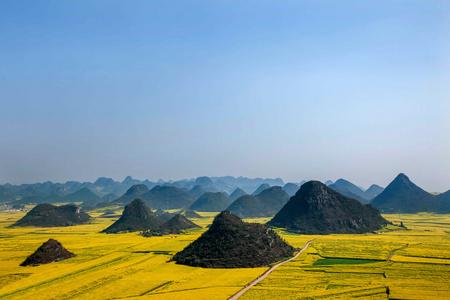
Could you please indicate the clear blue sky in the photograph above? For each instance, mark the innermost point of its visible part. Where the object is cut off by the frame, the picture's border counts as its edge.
(178, 89)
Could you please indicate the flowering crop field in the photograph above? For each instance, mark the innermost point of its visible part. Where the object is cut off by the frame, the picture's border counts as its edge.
(109, 266)
(129, 266)
(333, 266)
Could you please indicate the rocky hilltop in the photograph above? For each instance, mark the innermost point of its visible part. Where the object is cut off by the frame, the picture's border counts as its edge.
(48, 252)
(48, 215)
(318, 209)
(232, 243)
(135, 217)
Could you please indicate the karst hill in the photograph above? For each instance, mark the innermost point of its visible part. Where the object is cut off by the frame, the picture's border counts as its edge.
(135, 217)
(318, 209)
(403, 196)
(175, 225)
(48, 252)
(265, 204)
(232, 243)
(209, 202)
(48, 215)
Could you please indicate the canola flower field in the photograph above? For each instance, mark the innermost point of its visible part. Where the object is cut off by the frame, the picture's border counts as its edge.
(129, 266)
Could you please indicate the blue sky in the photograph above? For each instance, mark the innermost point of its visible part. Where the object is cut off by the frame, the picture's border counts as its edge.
(179, 89)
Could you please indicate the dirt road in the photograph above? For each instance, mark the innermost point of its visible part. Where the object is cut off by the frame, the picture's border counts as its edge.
(251, 284)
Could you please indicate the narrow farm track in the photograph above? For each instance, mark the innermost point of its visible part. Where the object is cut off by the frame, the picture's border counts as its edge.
(263, 276)
(393, 252)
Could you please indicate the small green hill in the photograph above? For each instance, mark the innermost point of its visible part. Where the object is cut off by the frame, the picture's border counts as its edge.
(374, 190)
(237, 193)
(232, 243)
(175, 225)
(347, 193)
(211, 202)
(135, 217)
(134, 192)
(197, 191)
(261, 188)
(291, 188)
(48, 215)
(266, 204)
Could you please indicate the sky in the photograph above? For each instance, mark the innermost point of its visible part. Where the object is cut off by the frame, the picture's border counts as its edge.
(300, 90)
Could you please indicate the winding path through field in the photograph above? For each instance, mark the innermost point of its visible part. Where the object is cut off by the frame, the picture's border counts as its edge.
(393, 252)
(251, 284)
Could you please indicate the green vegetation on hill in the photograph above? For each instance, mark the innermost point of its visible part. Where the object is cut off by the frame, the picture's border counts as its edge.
(403, 196)
(261, 188)
(175, 225)
(135, 217)
(48, 252)
(265, 204)
(47, 215)
(132, 193)
(291, 188)
(209, 202)
(197, 191)
(347, 193)
(317, 209)
(82, 195)
(232, 243)
(374, 190)
(238, 192)
(167, 197)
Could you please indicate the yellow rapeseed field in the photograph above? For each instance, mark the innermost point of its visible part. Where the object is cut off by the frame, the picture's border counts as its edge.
(129, 266)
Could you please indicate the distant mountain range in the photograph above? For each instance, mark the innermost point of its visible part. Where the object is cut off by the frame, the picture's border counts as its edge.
(402, 195)
(50, 192)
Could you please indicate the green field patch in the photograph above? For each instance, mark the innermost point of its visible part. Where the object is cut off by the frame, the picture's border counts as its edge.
(343, 261)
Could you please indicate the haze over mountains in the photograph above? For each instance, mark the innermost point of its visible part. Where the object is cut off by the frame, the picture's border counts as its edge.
(187, 192)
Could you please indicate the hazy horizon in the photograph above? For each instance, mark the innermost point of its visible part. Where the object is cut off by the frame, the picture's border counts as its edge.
(294, 89)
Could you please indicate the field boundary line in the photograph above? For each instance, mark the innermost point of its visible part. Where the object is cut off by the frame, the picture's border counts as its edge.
(271, 269)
